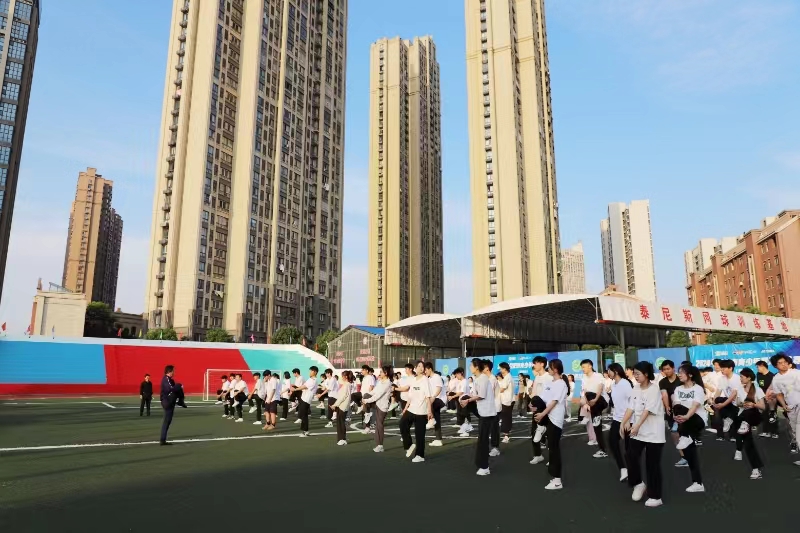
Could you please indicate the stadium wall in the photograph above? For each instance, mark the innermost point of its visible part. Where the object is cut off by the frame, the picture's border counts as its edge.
(44, 366)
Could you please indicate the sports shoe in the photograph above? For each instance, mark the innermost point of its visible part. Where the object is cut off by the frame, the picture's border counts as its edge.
(623, 474)
(465, 428)
(224, 416)
(555, 484)
(743, 428)
(297, 421)
(240, 419)
(257, 423)
(494, 452)
(320, 405)
(283, 419)
(252, 410)
(765, 435)
(436, 444)
(726, 425)
(219, 402)
(456, 426)
(506, 439)
(360, 409)
(393, 406)
(293, 407)
(755, 474)
(684, 442)
(483, 472)
(378, 448)
(367, 418)
(682, 463)
(695, 487)
(431, 424)
(775, 436)
(773, 418)
(597, 421)
(592, 443)
(410, 451)
(653, 503)
(638, 492)
(538, 459)
(418, 459)
(737, 456)
(600, 454)
(303, 434)
(334, 416)
(323, 417)
(461, 434)
(329, 425)
(342, 443)
(793, 448)
(540, 431)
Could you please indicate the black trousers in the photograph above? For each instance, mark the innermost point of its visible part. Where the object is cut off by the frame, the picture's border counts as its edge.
(259, 404)
(285, 408)
(538, 405)
(554, 448)
(652, 465)
(341, 425)
(240, 399)
(495, 434)
(463, 413)
(419, 422)
(617, 445)
(505, 418)
(145, 403)
(690, 428)
(485, 425)
(169, 410)
(303, 409)
(599, 406)
(436, 406)
(746, 442)
(523, 401)
(729, 411)
(331, 410)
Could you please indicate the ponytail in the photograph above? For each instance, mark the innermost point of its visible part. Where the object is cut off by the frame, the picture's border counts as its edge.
(617, 369)
(558, 366)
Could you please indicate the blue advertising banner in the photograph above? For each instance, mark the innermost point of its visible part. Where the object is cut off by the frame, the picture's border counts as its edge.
(745, 355)
(656, 356)
(572, 365)
(446, 366)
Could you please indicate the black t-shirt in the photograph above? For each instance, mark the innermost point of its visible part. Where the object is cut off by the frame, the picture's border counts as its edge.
(669, 386)
(764, 380)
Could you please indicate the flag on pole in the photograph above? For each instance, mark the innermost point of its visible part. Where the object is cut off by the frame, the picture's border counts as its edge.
(119, 333)
(140, 333)
(28, 330)
(161, 335)
(4, 327)
(252, 339)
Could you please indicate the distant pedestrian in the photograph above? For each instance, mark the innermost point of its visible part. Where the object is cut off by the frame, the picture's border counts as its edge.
(171, 395)
(145, 395)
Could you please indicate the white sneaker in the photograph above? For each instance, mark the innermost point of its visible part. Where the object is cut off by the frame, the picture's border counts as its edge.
(726, 425)
(506, 439)
(592, 443)
(224, 416)
(600, 454)
(538, 459)
(682, 462)
(332, 418)
(756, 474)
(378, 449)
(483, 472)
(418, 459)
(236, 404)
(323, 417)
(463, 434)
(252, 410)
(555, 484)
(765, 435)
(597, 421)
(494, 452)
(283, 419)
(329, 425)
(695, 487)
(743, 428)
(303, 434)
(456, 426)
(653, 503)
(393, 406)
(292, 408)
(297, 421)
(219, 402)
(737, 456)
(240, 419)
(469, 428)
(411, 450)
(540, 431)
(623, 474)
(437, 443)
(367, 418)
(360, 409)
(320, 405)
(684, 442)
(257, 423)
(342, 443)
(638, 492)
(431, 424)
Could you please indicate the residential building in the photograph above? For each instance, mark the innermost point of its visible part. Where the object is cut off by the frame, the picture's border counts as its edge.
(57, 312)
(759, 271)
(698, 259)
(627, 243)
(19, 36)
(405, 181)
(247, 214)
(94, 239)
(515, 238)
(573, 270)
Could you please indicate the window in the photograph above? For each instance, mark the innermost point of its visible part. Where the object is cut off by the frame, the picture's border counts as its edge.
(776, 261)
(5, 152)
(6, 133)
(8, 111)
(14, 71)
(17, 50)
(778, 279)
(3, 176)
(4, 6)
(19, 30)
(22, 10)
(11, 90)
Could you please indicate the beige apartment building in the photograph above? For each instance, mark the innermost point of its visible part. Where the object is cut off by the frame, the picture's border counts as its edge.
(405, 181)
(573, 269)
(94, 240)
(247, 214)
(19, 37)
(515, 238)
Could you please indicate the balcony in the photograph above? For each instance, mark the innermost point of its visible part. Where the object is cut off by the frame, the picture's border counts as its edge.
(160, 276)
(173, 127)
(162, 242)
(181, 53)
(165, 224)
(168, 191)
(162, 259)
(158, 294)
(171, 159)
(183, 23)
(179, 67)
(178, 82)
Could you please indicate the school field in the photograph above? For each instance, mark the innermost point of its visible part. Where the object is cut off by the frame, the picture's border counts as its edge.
(93, 465)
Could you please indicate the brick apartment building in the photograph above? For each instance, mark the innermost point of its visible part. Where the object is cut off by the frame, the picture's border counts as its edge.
(761, 270)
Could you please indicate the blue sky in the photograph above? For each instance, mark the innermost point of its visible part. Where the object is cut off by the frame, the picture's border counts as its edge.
(689, 103)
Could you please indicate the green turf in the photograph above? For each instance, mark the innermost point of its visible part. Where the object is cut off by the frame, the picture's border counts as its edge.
(288, 482)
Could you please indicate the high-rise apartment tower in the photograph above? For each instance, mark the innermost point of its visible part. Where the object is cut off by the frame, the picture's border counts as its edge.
(405, 181)
(573, 268)
(515, 239)
(247, 218)
(628, 249)
(19, 36)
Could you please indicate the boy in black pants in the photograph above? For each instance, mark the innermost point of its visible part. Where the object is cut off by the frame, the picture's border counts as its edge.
(145, 395)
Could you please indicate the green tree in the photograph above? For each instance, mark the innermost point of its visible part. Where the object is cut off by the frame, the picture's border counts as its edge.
(588, 347)
(218, 335)
(98, 321)
(287, 335)
(166, 334)
(324, 339)
(678, 339)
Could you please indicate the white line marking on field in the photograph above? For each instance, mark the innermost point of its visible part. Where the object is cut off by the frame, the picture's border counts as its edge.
(108, 405)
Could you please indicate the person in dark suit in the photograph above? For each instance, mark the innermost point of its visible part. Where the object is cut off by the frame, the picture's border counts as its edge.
(145, 395)
(171, 395)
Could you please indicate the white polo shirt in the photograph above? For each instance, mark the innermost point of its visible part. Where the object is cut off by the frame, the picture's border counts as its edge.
(367, 384)
(404, 381)
(649, 399)
(556, 390)
(594, 383)
(621, 394)
(788, 384)
(241, 386)
(436, 382)
(260, 388)
(286, 386)
(418, 395)
(310, 388)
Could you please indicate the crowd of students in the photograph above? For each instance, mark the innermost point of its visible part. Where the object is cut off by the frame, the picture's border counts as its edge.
(642, 409)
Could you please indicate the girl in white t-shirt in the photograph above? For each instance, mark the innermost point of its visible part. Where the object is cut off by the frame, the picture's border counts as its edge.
(750, 404)
(621, 389)
(644, 420)
(688, 412)
(551, 420)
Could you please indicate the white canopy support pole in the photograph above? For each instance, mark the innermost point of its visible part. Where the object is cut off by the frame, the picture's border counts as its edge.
(622, 338)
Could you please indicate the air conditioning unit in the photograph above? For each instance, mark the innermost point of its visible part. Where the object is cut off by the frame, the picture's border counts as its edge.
(281, 267)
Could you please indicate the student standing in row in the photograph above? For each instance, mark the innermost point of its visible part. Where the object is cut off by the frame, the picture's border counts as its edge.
(271, 393)
(644, 420)
(294, 397)
(483, 398)
(764, 380)
(286, 391)
(417, 412)
(551, 420)
(667, 386)
(621, 390)
(307, 391)
(523, 400)
(257, 394)
(728, 385)
(461, 389)
(240, 393)
(749, 402)
(495, 433)
(380, 396)
(541, 377)
(146, 394)
(592, 405)
(786, 385)
(686, 406)
(506, 387)
(342, 406)
(331, 386)
(438, 401)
